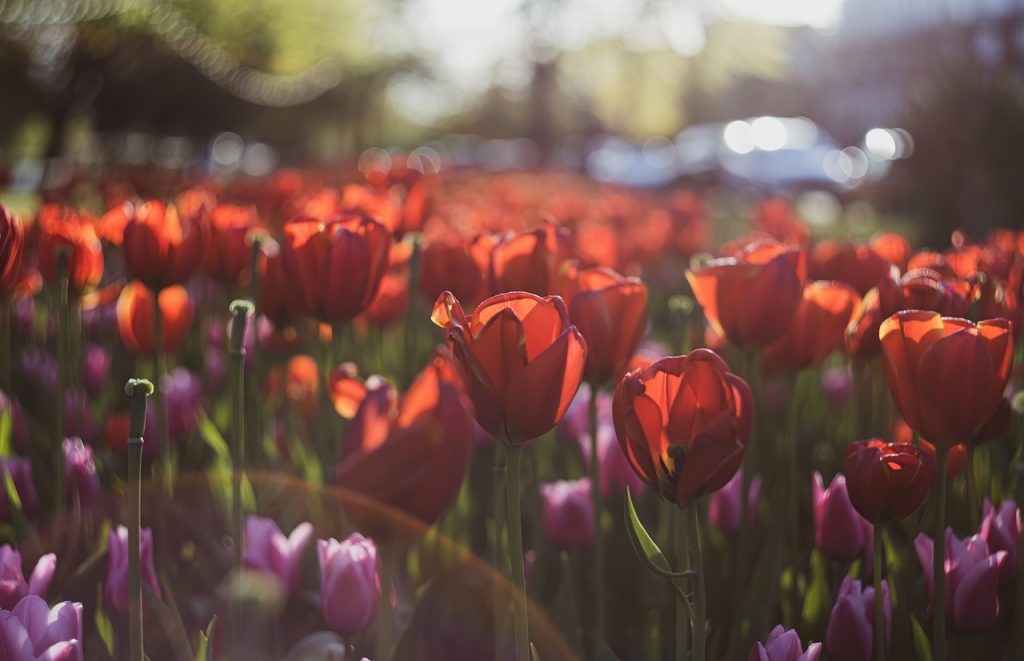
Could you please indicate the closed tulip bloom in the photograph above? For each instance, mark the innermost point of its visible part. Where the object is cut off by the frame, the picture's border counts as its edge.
(817, 328)
(135, 318)
(972, 580)
(267, 550)
(751, 298)
(162, 246)
(784, 645)
(349, 583)
(946, 375)
(726, 504)
(283, 299)
(840, 533)
(855, 264)
(851, 631)
(1000, 528)
(523, 361)
(391, 301)
(32, 631)
(341, 263)
(684, 423)
(610, 312)
(229, 257)
(12, 244)
(448, 265)
(568, 513)
(893, 247)
(887, 481)
(13, 586)
(20, 471)
(81, 482)
(411, 453)
(528, 261)
(63, 229)
(115, 593)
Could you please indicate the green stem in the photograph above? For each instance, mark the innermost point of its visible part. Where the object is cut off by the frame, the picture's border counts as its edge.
(498, 547)
(972, 489)
(939, 556)
(240, 311)
(63, 258)
(139, 390)
(385, 625)
(876, 577)
(595, 498)
(160, 368)
(682, 612)
(700, 608)
(515, 537)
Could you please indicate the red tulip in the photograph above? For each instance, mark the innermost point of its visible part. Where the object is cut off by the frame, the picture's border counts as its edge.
(528, 261)
(751, 298)
(229, 256)
(610, 312)
(522, 359)
(855, 264)
(297, 384)
(12, 243)
(946, 375)
(684, 423)
(892, 247)
(887, 481)
(283, 298)
(135, 317)
(818, 326)
(448, 265)
(161, 246)
(61, 228)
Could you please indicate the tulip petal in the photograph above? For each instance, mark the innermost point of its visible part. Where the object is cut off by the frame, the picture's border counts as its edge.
(539, 394)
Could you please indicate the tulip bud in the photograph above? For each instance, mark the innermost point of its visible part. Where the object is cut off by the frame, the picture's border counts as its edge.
(1001, 528)
(81, 482)
(972, 580)
(726, 504)
(850, 635)
(349, 583)
(267, 550)
(840, 533)
(13, 587)
(784, 645)
(568, 513)
(116, 592)
(887, 481)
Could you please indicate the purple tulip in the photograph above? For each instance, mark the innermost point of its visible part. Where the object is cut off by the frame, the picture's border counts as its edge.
(1000, 528)
(576, 422)
(568, 513)
(184, 393)
(40, 368)
(117, 588)
(850, 634)
(20, 471)
(837, 383)
(724, 508)
(783, 645)
(99, 322)
(80, 479)
(96, 368)
(19, 430)
(349, 583)
(840, 533)
(32, 631)
(267, 550)
(78, 417)
(972, 577)
(13, 587)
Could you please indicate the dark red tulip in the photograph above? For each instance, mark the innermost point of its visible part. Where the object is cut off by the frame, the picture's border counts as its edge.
(523, 360)
(448, 265)
(818, 326)
(163, 247)
(893, 247)
(887, 481)
(856, 264)
(61, 228)
(946, 375)
(12, 243)
(751, 298)
(229, 256)
(135, 318)
(283, 297)
(684, 423)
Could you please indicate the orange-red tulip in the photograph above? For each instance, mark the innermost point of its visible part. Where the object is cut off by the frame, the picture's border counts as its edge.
(751, 298)
(229, 256)
(448, 265)
(62, 228)
(776, 218)
(946, 375)
(528, 261)
(135, 314)
(855, 264)
(161, 246)
(297, 384)
(818, 326)
(887, 481)
(12, 243)
(684, 423)
(611, 312)
(410, 454)
(391, 301)
(522, 358)
(893, 247)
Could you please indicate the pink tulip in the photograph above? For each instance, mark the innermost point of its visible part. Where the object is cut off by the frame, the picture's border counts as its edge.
(1000, 528)
(850, 635)
(783, 645)
(13, 587)
(81, 481)
(725, 507)
(117, 588)
(840, 533)
(349, 583)
(32, 631)
(568, 513)
(972, 577)
(267, 550)
(616, 473)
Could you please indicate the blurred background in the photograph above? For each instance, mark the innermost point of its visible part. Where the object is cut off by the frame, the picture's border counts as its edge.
(914, 107)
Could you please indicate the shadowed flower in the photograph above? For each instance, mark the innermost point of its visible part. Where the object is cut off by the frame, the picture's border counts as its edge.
(267, 550)
(972, 579)
(13, 587)
(81, 482)
(1000, 528)
(840, 533)
(851, 630)
(887, 481)
(784, 645)
(568, 513)
(118, 580)
(349, 583)
(63, 229)
(726, 504)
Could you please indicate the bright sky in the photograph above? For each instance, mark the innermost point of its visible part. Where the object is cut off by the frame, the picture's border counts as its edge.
(818, 13)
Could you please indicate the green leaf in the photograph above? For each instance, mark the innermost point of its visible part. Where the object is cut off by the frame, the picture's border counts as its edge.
(646, 547)
(534, 655)
(817, 602)
(103, 626)
(6, 427)
(204, 650)
(922, 646)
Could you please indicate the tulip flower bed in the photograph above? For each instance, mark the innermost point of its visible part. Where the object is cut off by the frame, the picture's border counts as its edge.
(512, 416)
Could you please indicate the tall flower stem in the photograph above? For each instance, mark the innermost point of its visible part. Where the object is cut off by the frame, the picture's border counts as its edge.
(240, 311)
(138, 390)
(515, 539)
(697, 556)
(939, 556)
(160, 368)
(63, 259)
(682, 617)
(972, 489)
(498, 548)
(595, 498)
(876, 578)
(5, 347)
